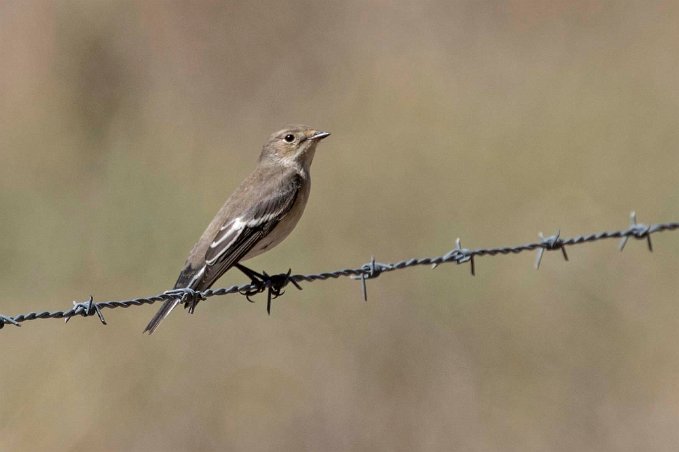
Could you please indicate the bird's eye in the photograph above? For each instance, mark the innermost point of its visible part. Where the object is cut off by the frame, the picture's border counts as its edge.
(289, 138)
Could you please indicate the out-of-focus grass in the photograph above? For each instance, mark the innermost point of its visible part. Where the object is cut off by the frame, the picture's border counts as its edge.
(123, 127)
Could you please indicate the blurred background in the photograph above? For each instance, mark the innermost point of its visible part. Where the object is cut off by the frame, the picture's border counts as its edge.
(124, 126)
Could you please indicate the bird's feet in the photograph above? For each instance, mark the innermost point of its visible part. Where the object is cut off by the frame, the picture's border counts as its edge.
(274, 284)
(257, 280)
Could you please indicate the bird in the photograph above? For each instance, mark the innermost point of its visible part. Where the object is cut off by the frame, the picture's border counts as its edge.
(258, 215)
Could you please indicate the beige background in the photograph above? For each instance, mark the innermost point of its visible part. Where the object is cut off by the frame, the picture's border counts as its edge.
(124, 126)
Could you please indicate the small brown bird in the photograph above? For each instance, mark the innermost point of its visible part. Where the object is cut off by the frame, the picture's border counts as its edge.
(258, 215)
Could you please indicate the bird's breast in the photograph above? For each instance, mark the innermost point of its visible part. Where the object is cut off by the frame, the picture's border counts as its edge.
(284, 227)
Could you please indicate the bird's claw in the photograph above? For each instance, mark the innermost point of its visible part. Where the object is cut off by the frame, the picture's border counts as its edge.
(273, 284)
(258, 287)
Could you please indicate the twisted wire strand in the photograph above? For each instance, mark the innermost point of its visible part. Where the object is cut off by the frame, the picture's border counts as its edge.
(364, 272)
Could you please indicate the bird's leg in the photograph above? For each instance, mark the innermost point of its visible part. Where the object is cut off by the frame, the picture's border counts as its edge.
(256, 279)
(274, 283)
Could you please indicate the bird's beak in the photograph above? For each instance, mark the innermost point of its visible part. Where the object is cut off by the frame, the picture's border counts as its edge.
(319, 135)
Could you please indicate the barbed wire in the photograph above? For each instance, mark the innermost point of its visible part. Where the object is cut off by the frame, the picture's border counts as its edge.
(275, 284)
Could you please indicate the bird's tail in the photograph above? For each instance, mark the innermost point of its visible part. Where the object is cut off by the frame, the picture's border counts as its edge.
(163, 312)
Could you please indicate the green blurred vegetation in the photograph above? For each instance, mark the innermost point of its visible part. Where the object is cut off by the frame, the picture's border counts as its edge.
(124, 125)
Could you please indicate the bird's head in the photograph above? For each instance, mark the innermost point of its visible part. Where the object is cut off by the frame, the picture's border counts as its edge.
(292, 146)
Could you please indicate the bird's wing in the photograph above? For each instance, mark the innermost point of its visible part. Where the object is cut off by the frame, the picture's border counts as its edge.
(239, 235)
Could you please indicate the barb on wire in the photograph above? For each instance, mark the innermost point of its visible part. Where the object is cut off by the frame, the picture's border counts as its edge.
(85, 309)
(553, 242)
(370, 270)
(639, 231)
(275, 284)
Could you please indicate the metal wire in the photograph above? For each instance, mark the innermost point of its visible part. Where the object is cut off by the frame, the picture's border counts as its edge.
(371, 270)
